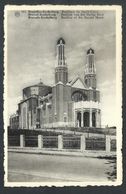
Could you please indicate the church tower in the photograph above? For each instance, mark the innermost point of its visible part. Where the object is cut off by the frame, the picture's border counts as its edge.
(61, 70)
(90, 71)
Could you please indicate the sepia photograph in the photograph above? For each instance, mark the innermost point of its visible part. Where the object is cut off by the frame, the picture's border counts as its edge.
(63, 95)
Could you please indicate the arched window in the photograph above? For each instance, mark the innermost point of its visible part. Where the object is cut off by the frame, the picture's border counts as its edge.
(78, 96)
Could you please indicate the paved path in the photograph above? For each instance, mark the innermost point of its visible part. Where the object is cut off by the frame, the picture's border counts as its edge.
(35, 167)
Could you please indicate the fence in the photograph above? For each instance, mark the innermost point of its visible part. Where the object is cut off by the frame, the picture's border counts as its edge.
(64, 142)
(95, 143)
(71, 142)
(14, 140)
(50, 142)
(31, 140)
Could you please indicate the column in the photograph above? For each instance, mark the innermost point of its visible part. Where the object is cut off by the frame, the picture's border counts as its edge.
(82, 119)
(26, 116)
(41, 118)
(21, 117)
(97, 119)
(90, 125)
(22, 141)
(108, 143)
(29, 117)
(60, 142)
(83, 143)
(76, 123)
(40, 141)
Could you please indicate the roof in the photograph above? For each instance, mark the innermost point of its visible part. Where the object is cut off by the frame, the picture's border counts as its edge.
(80, 84)
(61, 41)
(90, 51)
(40, 84)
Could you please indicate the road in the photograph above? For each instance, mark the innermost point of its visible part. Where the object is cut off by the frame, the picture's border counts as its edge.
(24, 167)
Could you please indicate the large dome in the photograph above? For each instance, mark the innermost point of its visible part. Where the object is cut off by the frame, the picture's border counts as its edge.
(37, 89)
(61, 41)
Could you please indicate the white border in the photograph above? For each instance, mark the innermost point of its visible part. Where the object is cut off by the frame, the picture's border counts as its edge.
(118, 11)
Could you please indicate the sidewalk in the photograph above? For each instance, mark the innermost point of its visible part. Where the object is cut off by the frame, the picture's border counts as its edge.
(52, 151)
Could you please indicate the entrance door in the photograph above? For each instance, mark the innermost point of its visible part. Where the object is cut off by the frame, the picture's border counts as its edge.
(94, 119)
(79, 118)
(86, 119)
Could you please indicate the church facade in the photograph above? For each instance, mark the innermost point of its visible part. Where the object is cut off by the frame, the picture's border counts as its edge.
(74, 103)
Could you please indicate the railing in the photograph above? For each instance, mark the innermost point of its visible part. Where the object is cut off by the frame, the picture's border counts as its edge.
(113, 145)
(50, 141)
(60, 142)
(31, 140)
(14, 140)
(95, 143)
(71, 142)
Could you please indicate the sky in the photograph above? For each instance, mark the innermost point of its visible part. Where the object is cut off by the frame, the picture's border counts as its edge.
(31, 55)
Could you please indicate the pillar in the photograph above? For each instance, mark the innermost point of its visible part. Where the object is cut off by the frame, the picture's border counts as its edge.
(40, 141)
(22, 141)
(97, 119)
(75, 118)
(82, 124)
(26, 116)
(83, 119)
(60, 142)
(90, 118)
(76, 121)
(83, 143)
(108, 143)
(21, 117)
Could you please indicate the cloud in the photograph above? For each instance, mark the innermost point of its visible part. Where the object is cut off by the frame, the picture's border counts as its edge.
(108, 102)
(107, 85)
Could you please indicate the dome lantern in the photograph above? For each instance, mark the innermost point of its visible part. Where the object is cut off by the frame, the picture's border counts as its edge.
(60, 41)
(90, 51)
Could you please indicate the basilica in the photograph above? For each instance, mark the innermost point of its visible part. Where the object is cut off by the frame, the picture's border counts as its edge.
(69, 103)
